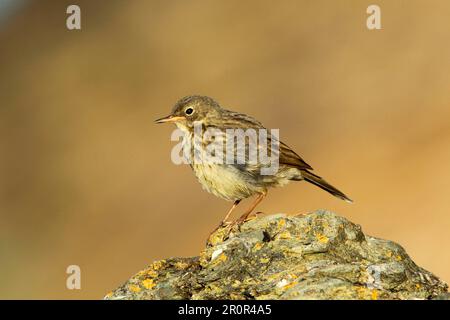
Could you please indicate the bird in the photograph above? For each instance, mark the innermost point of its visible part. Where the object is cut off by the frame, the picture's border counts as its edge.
(237, 181)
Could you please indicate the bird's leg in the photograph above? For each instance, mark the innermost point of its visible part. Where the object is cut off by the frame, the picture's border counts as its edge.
(235, 204)
(224, 220)
(244, 217)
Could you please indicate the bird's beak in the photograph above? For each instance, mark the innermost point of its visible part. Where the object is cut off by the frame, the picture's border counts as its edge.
(169, 118)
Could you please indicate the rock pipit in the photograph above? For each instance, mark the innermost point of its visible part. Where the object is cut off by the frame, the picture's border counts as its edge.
(238, 174)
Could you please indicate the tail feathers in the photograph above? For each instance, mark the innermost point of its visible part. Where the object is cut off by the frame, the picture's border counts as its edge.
(321, 183)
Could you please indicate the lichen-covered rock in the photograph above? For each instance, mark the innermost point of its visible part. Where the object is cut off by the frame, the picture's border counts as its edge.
(314, 256)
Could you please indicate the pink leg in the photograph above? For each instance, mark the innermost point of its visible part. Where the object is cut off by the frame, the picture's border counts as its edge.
(244, 217)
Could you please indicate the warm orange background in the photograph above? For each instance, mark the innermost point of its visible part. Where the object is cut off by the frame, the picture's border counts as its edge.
(86, 177)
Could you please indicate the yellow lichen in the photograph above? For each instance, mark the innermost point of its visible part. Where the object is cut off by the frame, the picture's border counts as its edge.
(221, 258)
(148, 283)
(181, 265)
(213, 288)
(398, 258)
(322, 238)
(134, 288)
(204, 258)
(281, 223)
(361, 292)
(264, 260)
(285, 285)
(158, 264)
(152, 273)
(374, 294)
(257, 246)
(285, 235)
(290, 285)
(215, 239)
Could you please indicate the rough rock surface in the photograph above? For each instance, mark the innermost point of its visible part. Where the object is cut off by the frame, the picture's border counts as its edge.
(314, 256)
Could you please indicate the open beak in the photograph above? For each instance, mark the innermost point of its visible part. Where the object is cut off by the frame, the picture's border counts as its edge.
(170, 118)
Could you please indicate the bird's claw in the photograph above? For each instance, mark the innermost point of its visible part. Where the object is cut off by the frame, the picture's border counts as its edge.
(253, 215)
(230, 225)
(223, 224)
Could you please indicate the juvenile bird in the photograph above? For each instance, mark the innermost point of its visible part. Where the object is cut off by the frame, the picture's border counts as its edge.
(238, 180)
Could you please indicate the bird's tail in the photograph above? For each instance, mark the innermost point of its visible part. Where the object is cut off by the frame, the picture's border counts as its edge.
(321, 183)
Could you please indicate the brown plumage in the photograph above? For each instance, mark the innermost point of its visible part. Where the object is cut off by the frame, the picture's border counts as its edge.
(237, 181)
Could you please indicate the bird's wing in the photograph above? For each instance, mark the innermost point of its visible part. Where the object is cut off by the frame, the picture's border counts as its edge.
(236, 120)
(290, 158)
(287, 156)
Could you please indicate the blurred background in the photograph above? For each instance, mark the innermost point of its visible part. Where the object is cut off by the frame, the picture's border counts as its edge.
(86, 177)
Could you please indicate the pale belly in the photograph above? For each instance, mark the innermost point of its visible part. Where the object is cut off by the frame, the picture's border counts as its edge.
(226, 181)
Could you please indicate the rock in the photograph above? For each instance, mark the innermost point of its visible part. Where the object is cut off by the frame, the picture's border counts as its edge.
(314, 256)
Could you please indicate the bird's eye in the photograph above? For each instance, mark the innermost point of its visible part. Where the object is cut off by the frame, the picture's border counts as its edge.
(189, 111)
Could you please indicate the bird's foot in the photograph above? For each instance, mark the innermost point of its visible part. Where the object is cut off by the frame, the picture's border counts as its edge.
(243, 219)
(253, 216)
(213, 237)
(227, 227)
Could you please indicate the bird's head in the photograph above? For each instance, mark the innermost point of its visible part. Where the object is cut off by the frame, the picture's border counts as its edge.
(192, 109)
